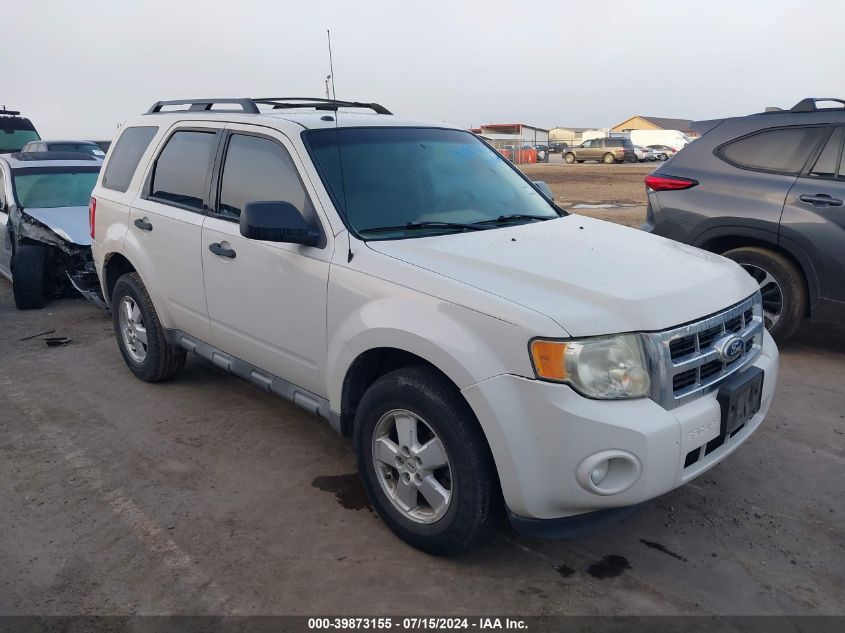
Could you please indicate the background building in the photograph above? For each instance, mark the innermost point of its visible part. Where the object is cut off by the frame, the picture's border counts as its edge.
(524, 134)
(569, 135)
(656, 123)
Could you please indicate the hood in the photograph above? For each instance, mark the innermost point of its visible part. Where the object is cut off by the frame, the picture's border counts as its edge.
(69, 223)
(590, 276)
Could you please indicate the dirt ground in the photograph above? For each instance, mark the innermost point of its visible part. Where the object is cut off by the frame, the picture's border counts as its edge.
(619, 187)
(204, 495)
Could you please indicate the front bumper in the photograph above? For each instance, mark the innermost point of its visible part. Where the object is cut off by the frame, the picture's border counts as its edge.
(540, 433)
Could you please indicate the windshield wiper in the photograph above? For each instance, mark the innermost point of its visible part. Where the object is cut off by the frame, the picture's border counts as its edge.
(502, 219)
(415, 226)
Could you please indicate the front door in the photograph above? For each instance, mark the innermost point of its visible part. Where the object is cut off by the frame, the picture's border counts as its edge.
(5, 237)
(266, 300)
(814, 216)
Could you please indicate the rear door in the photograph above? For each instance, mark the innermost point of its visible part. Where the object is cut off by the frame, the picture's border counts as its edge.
(266, 300)
(814, 216)
(5, 241)
(166, 222)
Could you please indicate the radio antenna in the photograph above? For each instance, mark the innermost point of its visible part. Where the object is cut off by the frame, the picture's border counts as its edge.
(331, 67)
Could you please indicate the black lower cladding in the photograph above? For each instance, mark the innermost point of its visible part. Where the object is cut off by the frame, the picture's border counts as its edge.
(571, 527)
(739, 398)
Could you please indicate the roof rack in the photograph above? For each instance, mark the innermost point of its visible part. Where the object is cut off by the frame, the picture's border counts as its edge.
(250, 106)
(11, 112)
(809, 104)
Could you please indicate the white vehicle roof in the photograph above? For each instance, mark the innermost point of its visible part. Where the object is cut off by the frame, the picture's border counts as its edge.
(22, 160)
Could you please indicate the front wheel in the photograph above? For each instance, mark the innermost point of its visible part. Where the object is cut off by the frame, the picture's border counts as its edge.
(609, 159)
(139, 333)
(29, 274)
(781, 286)
(424, 461)
(569, 158)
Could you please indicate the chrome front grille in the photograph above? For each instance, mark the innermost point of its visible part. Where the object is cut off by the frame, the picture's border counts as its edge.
(688, 361)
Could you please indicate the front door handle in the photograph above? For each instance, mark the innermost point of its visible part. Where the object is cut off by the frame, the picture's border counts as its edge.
(821, 200)
(143, 224)
(218, 249)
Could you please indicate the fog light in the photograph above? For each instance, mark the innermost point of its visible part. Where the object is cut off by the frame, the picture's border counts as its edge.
(599, 472)
(608, 472)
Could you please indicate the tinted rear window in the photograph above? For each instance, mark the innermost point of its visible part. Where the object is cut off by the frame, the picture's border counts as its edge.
(181, 170)
(782, 150)
(125, 156)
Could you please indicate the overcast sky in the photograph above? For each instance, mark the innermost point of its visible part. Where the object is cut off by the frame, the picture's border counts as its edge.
(79, 67)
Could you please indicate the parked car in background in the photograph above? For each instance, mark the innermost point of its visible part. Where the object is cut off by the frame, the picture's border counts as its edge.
(603, 150)
(644, 154)
(768, 191)
(668, 138)
(663, 152)
(45, 242)
(557, 148)
(15, 131)
(406, 282)
(85, 147)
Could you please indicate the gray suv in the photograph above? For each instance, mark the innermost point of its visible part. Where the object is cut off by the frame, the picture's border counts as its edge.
(768, 191)
(605, 150)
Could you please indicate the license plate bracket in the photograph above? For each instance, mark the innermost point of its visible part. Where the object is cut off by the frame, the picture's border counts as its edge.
(739, 398)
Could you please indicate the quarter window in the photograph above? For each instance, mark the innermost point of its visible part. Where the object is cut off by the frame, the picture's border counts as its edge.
(258, 169)
(828, 162)
(125, 156)
(181, 171)
(782, 150)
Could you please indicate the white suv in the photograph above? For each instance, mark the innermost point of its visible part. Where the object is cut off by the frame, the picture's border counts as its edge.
(404, 281)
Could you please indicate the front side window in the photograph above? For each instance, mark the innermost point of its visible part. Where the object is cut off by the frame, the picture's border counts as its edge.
(43, 188)
(126, 155)
(782, 150)
(181, 171)
(828, 163)
(259, 169)
(386, 180)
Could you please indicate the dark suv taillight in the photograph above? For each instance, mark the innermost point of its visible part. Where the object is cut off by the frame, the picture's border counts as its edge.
(656, 182)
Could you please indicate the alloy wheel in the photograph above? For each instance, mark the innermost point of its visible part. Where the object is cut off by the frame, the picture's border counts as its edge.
(132, 329)
(771, 291)
(412, 466)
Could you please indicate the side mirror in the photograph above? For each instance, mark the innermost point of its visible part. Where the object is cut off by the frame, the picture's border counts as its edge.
(276, 221)
(547, 191)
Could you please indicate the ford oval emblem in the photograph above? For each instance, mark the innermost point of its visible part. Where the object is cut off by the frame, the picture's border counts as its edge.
(731, 349)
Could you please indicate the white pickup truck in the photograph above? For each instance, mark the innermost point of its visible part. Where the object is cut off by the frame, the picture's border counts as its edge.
(404, 281)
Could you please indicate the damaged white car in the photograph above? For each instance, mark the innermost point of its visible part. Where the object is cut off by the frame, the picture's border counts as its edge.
(45, 243)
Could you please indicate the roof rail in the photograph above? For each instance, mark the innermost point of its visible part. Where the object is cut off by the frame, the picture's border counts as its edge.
(250, 106)
(12, 112)
(204, 105)
(809, 104)
(280, 103)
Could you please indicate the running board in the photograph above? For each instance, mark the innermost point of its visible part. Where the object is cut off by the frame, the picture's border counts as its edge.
(263, 380)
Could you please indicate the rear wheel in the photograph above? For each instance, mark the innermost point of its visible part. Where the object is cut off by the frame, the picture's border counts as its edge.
(424, 461)
(139, 333)
(781, 286)
(29, 276)
(569, 158)
(609, 159)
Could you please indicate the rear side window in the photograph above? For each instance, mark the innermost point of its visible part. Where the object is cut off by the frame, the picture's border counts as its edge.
(782, 150)
(258, 169)
(125, 156)
(828, 163)
(180, 176)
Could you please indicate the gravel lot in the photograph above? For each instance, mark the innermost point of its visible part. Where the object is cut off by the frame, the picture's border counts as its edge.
(205, 495)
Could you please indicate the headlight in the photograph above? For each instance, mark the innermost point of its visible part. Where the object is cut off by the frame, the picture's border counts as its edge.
(600, 367)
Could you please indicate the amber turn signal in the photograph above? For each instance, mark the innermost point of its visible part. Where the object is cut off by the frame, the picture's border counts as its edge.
(548, 359)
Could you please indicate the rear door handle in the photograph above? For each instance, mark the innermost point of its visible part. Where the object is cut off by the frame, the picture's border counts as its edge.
(218, 249)
(821, 200)
(143, 224)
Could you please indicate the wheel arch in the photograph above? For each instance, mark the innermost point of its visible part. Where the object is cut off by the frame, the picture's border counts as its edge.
(722, 242)
(115, 265)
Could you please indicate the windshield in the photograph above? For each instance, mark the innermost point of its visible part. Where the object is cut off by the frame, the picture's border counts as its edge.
(92, 149)
(41, 188)
(14, 140)
(402, 182)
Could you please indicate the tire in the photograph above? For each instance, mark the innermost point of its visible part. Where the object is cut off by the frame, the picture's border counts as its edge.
(469, 515)
(608, 159)
(29, 276)
(160, 360)
(569, 158)
(781, 284)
